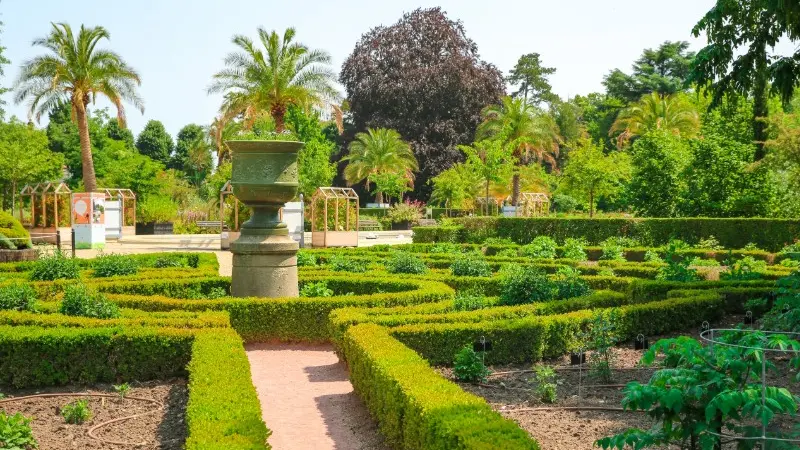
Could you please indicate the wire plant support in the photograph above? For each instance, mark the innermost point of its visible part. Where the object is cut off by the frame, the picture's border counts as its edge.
(711, 335)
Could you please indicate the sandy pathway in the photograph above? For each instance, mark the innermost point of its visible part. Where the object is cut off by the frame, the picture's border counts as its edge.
(307, 400)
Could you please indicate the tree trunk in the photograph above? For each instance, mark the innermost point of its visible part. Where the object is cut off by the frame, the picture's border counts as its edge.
(89, 179)
(515, 189)
(760, 107)
(278, 114)
(591, 203)
(487, 196)
(379, 197)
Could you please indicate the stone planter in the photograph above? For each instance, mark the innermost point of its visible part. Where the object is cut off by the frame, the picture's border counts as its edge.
(25, 254)
(154, 228)
(264, 177)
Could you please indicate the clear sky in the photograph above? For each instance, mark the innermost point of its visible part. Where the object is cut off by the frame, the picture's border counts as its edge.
(177, 45)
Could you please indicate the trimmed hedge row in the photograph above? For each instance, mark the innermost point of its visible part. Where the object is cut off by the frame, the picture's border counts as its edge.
(537, 337)
(414, 406)
(145, 260)
(35, 356)
(192, 320)
(223, 409)
(290, 319)
(769, 234)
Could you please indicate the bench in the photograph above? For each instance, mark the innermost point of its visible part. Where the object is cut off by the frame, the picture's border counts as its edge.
(426, 222)
(211, 224)
(368, 225)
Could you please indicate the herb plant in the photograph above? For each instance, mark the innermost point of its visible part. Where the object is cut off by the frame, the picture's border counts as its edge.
(470, 265)
(76, 412)
(80, 300)
(18, 297)
(468, 366)
(16, 433)
(317, 289)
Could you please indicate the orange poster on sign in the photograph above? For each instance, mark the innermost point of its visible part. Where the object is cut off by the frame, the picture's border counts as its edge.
(81, 208)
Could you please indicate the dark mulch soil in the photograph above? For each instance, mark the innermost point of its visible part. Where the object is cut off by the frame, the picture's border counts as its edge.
(164, 429)
(511, 389)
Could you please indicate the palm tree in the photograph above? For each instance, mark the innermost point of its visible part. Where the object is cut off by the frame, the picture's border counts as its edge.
(284, 73)
(673, 113)
(223, 129)
(76, 72)
(528, 132)
(377, 151)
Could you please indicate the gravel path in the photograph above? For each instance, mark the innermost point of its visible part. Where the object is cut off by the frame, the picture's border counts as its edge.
(307, 399)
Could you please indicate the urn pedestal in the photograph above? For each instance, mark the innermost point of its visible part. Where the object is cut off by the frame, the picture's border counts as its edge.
(264, 177)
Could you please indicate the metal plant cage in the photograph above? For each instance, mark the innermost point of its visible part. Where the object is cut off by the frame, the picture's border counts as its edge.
(711, 336)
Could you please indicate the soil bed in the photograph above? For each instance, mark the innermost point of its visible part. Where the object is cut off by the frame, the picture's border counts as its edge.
(510, 390)
(163, 429)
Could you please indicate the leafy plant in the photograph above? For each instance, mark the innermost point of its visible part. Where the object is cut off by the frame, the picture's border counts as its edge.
(306, 259)
(574, 249)
(468, 366)
(445, 248)
(569, 284)
(540, 247)
(55, 266)
(122, 389)
(601, 338)
(164, 262)
(18, 297)
(747, 268)
(407, 211)
(546, 387)
(497, 241)
(342, 263)
(193, 260)
(750, 246)
(703, 390)
(76, 412)
(404, 262)
(792, 263)
(785, 312)
(470, 265)
(652, 256)
(508, 253)
(80, 300)
(16, 433)
(709, 243)
(114, 265)
(156, 208)
(677, 268)
(521, 285)
(612, 250)
(469, 301)
(195, 293)
(700, 262)
(317, 289)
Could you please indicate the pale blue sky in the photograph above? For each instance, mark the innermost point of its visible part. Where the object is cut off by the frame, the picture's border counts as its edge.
(177, 45)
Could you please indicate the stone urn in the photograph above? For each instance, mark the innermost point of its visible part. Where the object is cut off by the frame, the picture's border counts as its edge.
(264, 177)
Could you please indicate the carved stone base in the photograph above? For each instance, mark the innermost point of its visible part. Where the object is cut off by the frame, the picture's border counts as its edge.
(264, 264)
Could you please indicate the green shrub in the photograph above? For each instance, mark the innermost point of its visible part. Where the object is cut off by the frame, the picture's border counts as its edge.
(711, 243)
(318, 289)
(18, 297)
(612, 250)
(342, 263)
(6, 243)
(13, 230)
(677, 268)
(212, 293)
(76, 412)
(601, 339)
(445, 248)
(193, 260)
(468, 366)
(80, 300)
(574, 249)
(404, 262)
(569, 284)
(747, 268)
(700, 262)
(443, 233)
(156, 208)
(652, 256)
(497, 241)
(122, 389)
(306, 259)
(114, 265)
(167, 261)
(546, 387)
(526, 285)
(541, 247)
(469, 301)
(56, 266)
(508, 253)
(16, 433)
(470, 265)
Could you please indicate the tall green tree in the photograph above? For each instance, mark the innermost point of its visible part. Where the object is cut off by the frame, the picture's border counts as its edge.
(738, 58)
(455, 187)
(491, 161)
(77, 71)
(187, 139)
(314, 165)
(155, 142)
(590, 173)
(3, 61)
(674, 114)
(529, 133)
(25, 158)
(531, 77)
(269, 80)
(379, 151)
(664, 70)
(658, 159)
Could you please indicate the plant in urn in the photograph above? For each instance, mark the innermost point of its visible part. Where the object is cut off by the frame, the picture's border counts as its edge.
(264, 177)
